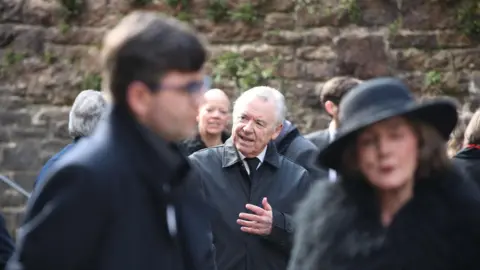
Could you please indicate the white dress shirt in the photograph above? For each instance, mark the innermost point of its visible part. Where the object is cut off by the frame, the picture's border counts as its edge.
(260, 156)
(332, 131)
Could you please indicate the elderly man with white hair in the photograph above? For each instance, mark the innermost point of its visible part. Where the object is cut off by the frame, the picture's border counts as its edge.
(252, 188)
(87, 110)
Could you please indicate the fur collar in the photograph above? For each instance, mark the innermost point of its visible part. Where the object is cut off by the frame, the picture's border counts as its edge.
(339, 223)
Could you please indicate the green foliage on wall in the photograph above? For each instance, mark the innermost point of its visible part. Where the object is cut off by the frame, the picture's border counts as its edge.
(71, 9)
(433, 78)
(468, 18)
(246, 73)
(91, 81)
(222, 10)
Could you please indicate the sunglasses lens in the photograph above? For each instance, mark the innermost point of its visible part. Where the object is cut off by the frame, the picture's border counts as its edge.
(207, 82)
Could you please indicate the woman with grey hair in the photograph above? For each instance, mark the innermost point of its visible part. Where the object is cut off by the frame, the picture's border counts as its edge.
(468, 158)
(399, 204)
(87, 110)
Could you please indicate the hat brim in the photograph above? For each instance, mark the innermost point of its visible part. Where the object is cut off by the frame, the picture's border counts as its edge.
(441, 114)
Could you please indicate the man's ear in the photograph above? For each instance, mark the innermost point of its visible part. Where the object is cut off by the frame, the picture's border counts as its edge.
(331, 108)
(277, 131)
(138, 99)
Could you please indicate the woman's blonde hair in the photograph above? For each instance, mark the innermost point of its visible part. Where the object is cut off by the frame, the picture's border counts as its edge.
(457, 138)
(472, 132)
(432, 155)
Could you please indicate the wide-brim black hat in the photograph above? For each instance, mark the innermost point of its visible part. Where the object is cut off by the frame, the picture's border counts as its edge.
(378, 99)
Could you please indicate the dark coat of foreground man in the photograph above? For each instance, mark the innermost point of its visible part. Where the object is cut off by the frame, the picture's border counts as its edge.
(226, 187)
(113, 192)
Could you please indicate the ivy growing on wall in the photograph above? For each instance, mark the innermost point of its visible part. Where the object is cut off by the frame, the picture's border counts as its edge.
(91, 81)
(71, 9)
(468, 17)
(350, 8)
(245, 73)
(223, 10)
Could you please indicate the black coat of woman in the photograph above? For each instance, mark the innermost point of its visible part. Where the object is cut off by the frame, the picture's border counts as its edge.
(342, 225)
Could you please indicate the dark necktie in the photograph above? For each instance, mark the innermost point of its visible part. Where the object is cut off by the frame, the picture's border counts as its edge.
(252, 165)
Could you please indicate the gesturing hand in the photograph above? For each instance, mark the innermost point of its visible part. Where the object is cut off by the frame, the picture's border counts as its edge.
(260, 222)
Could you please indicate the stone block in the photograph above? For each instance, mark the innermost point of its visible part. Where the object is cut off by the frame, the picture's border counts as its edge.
(26, 178)
(319, 36)
(20, 38)
(15, 118)
(414, 40)
(289, 69)
(363, 57)
(316, 53)
(323, 13)
(427, 15)
(23, 155)
(448, 39)
(42, 12)
(75, 36)
(376, 12)
(417, 60)
(266, 51)
(278, 21)
(280, 5)
(26, 133)
(285, 37)
(318, 70)
(235, 32)
(10, 197)
(11, 11)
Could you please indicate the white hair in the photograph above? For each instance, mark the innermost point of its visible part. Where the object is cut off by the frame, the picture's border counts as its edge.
(87, 110)
(266, 93)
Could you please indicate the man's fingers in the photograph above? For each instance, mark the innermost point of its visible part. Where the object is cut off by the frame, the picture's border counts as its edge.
(250, 224)
(255, 209)
(251, 217)
(253, 230)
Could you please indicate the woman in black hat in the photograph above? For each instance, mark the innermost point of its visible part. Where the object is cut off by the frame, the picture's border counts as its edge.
(399, 203)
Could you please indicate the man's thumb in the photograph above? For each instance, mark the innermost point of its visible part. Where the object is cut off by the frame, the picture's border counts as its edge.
(266, 205)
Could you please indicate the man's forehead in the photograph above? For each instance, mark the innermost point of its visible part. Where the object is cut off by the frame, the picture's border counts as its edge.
(257, 109)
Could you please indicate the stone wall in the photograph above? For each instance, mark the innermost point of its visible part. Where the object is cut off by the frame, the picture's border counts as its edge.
(49, 53)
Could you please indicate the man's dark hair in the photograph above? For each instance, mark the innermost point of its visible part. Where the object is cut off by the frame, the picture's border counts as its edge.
(335, 89)
(144, 46)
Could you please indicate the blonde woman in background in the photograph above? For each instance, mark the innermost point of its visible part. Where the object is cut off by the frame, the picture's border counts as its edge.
(468, 158)
(455, 143)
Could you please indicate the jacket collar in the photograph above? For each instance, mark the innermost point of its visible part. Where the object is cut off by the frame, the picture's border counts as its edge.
(154, 156)
(468, 153)
(231, 155)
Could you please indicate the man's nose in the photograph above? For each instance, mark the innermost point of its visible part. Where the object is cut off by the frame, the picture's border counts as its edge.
(248, 127)
(216, 114)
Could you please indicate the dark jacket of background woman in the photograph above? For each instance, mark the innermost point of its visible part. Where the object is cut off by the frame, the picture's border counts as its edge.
(435, 230)
(195, 144)
(468, 160)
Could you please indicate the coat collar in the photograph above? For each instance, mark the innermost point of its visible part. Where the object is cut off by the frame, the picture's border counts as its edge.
(154, 156)
(468, 153)
(231, 155)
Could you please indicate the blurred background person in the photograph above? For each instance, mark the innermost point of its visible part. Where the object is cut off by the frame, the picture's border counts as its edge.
(399, 203)
(87, 110)
(331, 94)
(468, 158)
(213, 118)
(457, 138)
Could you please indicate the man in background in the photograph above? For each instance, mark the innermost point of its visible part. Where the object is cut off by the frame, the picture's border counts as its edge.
(331, 95)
